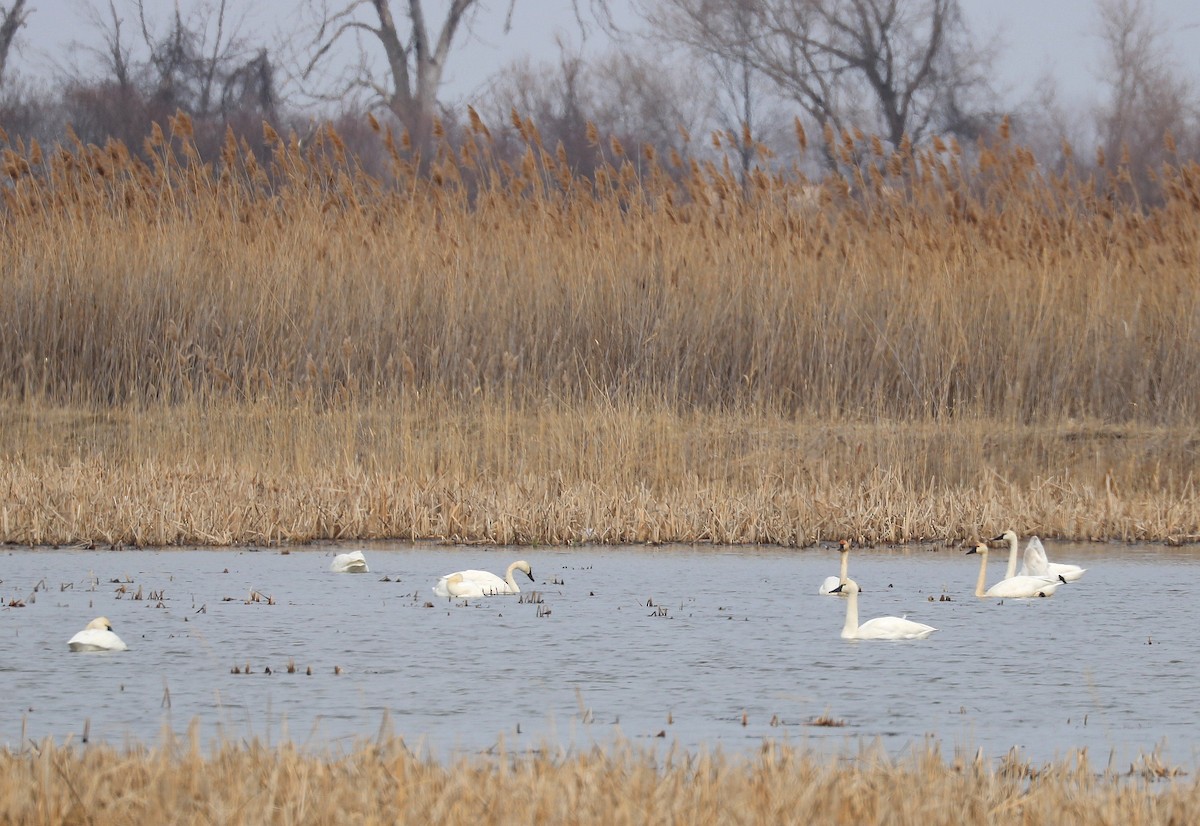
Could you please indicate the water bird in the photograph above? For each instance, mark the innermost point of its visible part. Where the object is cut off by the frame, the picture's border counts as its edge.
(880, 628)
(351, 563)
(1016, 587)
(1034, 561)
(831, 583)
(474, 584)
(97, 636)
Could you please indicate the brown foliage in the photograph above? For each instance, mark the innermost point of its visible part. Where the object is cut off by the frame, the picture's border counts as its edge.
(384, 782)
(988, 314)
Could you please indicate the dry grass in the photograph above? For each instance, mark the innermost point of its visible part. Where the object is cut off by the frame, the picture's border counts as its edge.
(600, 474)
(386, 783)
(936, 343)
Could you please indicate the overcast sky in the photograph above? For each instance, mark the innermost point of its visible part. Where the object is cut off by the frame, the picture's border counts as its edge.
(1037, 36)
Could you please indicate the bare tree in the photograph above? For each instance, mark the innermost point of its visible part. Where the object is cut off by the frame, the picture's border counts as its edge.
(644, 103)
(415, 51)
(143, 68)
(12, 18)
(721, 35)
(556, 97)
(646, 107)
(1148, 97)
(193, 59)
(415, 54)
(894, 67)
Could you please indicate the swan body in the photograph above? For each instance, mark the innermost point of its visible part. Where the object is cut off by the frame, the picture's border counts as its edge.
(880, 628)
(830, 585)
(474, 584)
(351, 563)
(1015, 587)
(1034, 562)
(97, 636)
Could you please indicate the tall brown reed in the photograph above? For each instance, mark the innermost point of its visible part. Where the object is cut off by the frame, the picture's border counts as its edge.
(656, 353)
(921, 284)
(428, 469)
(385, 783)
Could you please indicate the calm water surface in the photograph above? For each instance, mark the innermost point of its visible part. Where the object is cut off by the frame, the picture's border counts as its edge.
(712, 647)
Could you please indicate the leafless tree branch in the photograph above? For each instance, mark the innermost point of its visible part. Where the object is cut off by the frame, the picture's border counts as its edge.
(12, 19)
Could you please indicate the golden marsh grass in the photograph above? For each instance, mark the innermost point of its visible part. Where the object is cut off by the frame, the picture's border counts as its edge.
(384, 782)
(934, 344)
(258, 474)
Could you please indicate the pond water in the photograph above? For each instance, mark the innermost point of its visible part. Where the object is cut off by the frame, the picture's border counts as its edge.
(708, 647)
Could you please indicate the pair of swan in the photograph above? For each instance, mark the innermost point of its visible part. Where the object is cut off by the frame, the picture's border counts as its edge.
(1012, 587)
(475, 584)
(97, 636)
(351, 563)
(1035, 562)
(880, 628)
(830, 586)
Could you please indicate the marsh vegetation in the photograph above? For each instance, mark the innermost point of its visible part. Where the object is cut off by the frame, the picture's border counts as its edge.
(932, 340)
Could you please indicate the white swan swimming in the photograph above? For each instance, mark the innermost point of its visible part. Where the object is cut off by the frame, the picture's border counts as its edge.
(830, 584)
(880, 628)
(351, 563)
(1035, 562)
(1015, 587)
(97, 636)
(473, 584)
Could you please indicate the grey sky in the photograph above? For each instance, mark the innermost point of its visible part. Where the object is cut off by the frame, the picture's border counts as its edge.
(1039, 37)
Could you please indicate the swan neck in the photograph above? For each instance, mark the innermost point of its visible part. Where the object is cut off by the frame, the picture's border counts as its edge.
(1011, 570)
(508, 577)
(850, 629)
(981, 583)
(845, 566)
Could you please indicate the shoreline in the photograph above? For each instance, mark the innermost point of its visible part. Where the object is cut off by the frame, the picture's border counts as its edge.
(164, 506)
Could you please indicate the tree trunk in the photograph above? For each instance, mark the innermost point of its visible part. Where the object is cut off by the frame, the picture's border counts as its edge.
(12, 20)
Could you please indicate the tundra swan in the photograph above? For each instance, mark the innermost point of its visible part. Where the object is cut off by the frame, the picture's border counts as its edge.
(1035, 562)
(351, 563)
(880, 628)
(831, 583)
(1016, 587)
(97, 636)
(473, 584)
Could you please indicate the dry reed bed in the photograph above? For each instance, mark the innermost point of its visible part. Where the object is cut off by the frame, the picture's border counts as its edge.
(933, 341)
(386, 783)
(917, 284)
(192, 475)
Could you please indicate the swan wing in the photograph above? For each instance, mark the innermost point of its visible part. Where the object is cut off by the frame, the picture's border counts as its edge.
(893, 628)
(470, 585)
(1024, 587)
(487, 582)
(465, 589)
(1068, 572)
(454, 586)
(1035, 563)
(92, 639)
(829, 584)
(351, 563)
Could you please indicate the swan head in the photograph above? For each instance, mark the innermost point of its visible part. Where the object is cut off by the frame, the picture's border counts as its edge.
(844, 545)
(1007, 536)
(99, 624)
(523, 566)
(980, 548)
(847, 587)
